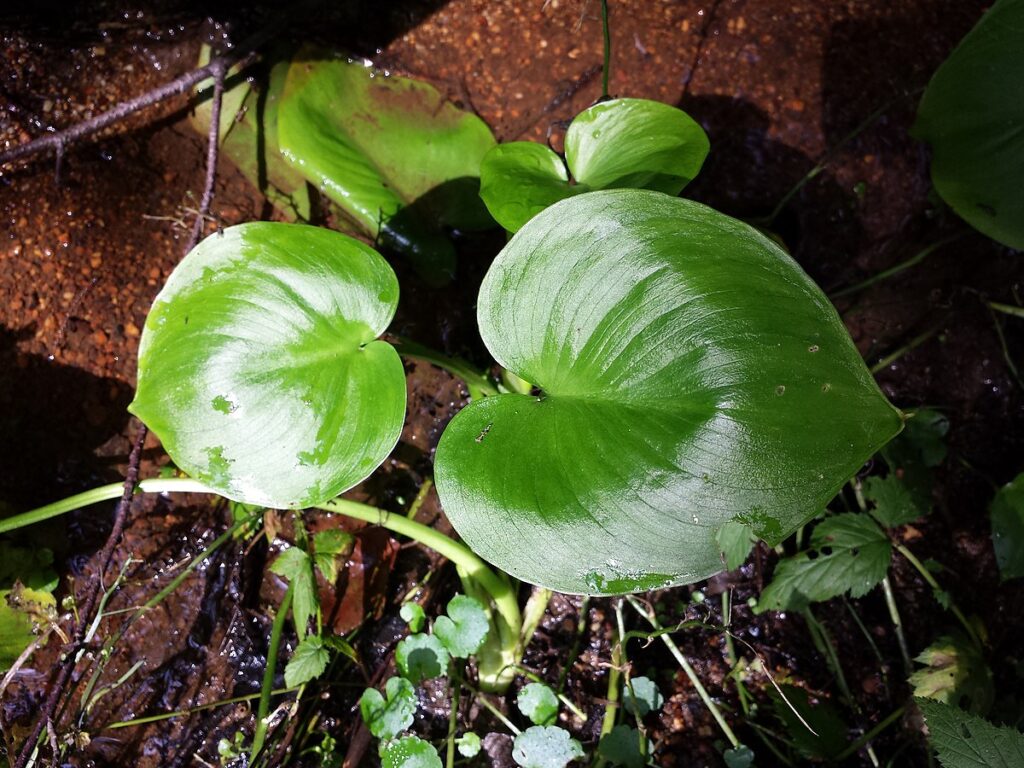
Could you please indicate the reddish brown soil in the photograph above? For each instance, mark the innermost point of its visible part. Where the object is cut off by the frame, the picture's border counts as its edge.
(778, 85)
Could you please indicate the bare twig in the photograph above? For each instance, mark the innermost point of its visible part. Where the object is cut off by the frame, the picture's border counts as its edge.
(219, 73)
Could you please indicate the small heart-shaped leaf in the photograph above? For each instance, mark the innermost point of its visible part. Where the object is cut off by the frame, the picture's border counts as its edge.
(421, 657)
(691, 374)
(539, 703)
(386, 718)
(259, 367)
(465, 627)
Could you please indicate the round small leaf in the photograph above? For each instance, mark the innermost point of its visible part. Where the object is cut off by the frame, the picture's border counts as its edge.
(468, 744)
(539, 703)
(412, 614)
(520, 179)
(621, 746)
(545, 747)
(972, 115)
(410, 752)
(642, 696)
(691, 374)
(385, 719)
(421, 657)
(259, 367)
(635, 143)
(465, 627)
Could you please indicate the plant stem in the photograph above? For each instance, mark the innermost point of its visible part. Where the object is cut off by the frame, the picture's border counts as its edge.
(607, 68)
(870, 735)
(476, 382)
(581, 628)
(690, 673)
(885, 274)
(909, 346)
(533, 613)
(455, 679)
(611, 711)
(103, 493)
(897, 623)
(1007, 309)
(266, 690)
(930, 580)
(822, 638)
(194, 710)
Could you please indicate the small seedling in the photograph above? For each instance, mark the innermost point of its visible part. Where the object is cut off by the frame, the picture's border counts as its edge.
(386, 718)
(539, 703)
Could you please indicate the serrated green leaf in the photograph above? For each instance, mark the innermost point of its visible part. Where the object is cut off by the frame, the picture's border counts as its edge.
(412, 614)
(465, 627)
(386, 718)
(622, 747)
(892, 502)
(954, 671)
(259, 367)
(635, 143)
(972, 115)
(409, 752)
(307, 663)
(735, 541)
(967, 741)
(421, 657)
(329, 550)
(468, 744)
(687, 367)
(545, 747)
(1007, 514)
(642, 696)
(389, 151)
(520, 179)
(823, 718)
(295, 565)
(848, 553)
(539, 703)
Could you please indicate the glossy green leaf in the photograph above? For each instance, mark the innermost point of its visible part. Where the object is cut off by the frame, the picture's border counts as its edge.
(954, 673)
(739, 757)
(1007, 514)
(27, 582)
(412, 614)
(259, 367)
(386, 718)
(623, 143)
(972, 115)
(642, 696)
(421, 657)
(545, 747)
(520, 179)
(468, 744)
(307, 663)
(691, 374)
(635, 143)
(967, 741)
(538, 702)
(848, 553)
(389, 151)
(465, 627)
(410, 752)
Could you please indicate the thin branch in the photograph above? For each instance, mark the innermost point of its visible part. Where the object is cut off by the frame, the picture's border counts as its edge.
(219, 73)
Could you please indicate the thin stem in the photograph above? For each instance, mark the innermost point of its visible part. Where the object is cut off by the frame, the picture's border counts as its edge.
(533, 613)
(915, 342)
(498, 714)
(607, 68)
(581, 628)
(267, 689)
(219, 71)
(870, 735)
(1007, 309)
(611, 711)
(914, 260)
(927, 576)
(477, 383)
(824, 642)
(421, 496)
(690, 673)
(194, 710)
(897, 623)
(455, 678)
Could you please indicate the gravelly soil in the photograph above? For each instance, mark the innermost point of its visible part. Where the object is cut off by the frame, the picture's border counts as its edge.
(778, 85)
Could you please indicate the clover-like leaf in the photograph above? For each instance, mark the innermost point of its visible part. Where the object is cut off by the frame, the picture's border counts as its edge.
(307, 663)
(1007, 513)
(465, 627)
(389, 151)
(386, 718)
(688, 369)
(421, 657)
(409, 752)
(642, 696)
(539, 703)
(621, 746)
(259, 367)
(972, 116)
(622, 143)
(848, 553)
(545, 747)
(967, 741)
(468, 744)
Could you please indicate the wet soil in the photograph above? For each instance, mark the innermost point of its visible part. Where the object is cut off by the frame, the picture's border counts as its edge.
(779, 85)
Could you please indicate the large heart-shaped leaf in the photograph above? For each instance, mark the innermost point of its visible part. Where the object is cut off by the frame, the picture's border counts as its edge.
(623, 143)
(691, 374)
(389, 151)
(972, 115)
(259, 369)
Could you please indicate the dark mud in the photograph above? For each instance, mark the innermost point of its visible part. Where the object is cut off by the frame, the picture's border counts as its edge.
(778, 84)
